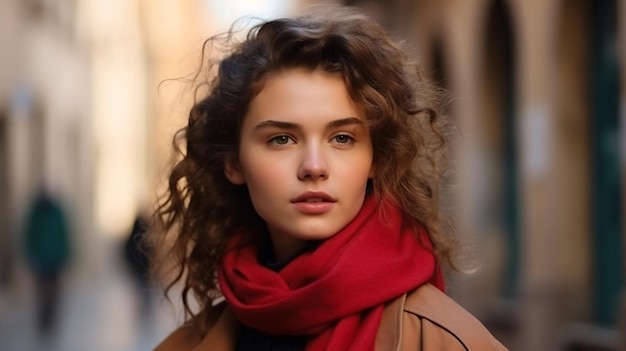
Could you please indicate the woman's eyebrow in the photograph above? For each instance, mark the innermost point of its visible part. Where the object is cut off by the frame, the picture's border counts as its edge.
(278, 124)
(345, 121)
(289, 125)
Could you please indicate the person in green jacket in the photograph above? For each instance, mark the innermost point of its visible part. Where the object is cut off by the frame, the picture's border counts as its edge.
(47, 246)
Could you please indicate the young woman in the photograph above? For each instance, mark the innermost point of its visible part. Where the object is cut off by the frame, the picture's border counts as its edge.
(307, 197)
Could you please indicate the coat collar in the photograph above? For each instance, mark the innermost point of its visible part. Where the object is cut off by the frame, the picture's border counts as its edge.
(222, 336)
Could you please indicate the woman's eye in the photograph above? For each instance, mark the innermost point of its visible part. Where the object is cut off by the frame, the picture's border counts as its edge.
(280, 140)
(343, 138)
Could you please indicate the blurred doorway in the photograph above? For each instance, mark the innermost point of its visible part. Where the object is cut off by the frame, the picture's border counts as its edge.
(6, 256)
(498, 125)
(606, 175)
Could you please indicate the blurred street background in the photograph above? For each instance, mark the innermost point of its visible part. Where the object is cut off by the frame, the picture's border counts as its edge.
(91, 92)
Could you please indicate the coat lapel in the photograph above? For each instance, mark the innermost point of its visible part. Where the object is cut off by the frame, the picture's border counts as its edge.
(389, 333)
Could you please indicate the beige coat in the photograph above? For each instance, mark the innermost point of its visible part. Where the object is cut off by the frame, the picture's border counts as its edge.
(424, 319)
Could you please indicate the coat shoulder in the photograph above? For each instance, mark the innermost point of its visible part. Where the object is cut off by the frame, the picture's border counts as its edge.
(189, 336)
(185, 338)
(437, 313)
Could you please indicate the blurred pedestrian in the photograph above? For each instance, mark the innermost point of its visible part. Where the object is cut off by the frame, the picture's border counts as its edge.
(136, 256)
(47, 249)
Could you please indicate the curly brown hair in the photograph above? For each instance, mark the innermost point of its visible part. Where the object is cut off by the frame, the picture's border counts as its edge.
(201, 209)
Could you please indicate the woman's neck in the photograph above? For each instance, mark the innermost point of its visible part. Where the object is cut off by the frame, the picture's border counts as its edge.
(286, 248)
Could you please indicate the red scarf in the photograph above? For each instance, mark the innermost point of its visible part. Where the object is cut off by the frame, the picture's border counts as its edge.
(336, 293)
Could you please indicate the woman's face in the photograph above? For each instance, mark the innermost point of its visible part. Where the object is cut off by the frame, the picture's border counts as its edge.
(305, 155)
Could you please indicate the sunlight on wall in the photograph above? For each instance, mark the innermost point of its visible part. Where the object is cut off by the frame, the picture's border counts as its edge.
(223, 13)
(119, 112)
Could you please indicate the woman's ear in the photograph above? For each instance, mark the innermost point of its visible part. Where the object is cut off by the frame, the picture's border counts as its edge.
(372, 171)
(233, 172)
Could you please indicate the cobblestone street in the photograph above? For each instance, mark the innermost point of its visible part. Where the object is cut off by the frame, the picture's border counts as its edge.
(102, 313)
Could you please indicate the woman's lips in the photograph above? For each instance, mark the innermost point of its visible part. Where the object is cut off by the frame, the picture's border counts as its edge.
(313, 196)
(314, 207)
(314, 202)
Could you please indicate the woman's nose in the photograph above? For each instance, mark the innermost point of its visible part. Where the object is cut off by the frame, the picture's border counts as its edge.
(312, 166)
